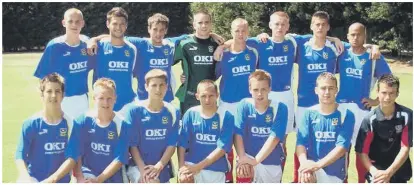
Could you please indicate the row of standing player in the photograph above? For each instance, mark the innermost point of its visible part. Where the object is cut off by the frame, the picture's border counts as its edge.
(190, 65)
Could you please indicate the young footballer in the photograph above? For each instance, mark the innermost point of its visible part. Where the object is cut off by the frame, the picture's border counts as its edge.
(358, 74)
(237, 63)
(42, 154)
(154, 132)
(324, 136)
(260, 126)
(67, 56)
(102, 138)
(116, 57)
(386, 136)
(196, 56)
(207, 136)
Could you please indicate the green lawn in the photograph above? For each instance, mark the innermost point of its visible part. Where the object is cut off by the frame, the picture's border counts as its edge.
(21, 100)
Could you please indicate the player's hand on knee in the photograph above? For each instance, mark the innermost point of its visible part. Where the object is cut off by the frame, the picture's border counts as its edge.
(244, 171)
(307, 177)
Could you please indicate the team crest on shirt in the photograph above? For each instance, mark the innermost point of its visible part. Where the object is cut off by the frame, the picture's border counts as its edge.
(363, 61)
(398, 128)
(325, 55)
(214, 125)
(247, 57)
(164, 120)
(166, 52)
(63, 132)
(111, 135)
(210, 49)
(334, 121)
(285, 48)
(83, 52)
(268, 118)
(127, 53)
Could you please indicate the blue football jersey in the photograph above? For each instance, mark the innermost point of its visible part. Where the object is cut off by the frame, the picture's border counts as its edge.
(116, 63)
(71, 62)
(201, 136)
(235, 69)
(153, 132)
(43, 146)
(152, 57)
(256, 127)
(320, 134)
(277, 58)
(99, 146)
(312, 63)
(358, 75)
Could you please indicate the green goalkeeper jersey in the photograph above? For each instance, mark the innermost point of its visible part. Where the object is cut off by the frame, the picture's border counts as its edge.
(197, 62)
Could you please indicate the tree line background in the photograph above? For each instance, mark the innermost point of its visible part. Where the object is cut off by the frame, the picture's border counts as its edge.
(29, 26)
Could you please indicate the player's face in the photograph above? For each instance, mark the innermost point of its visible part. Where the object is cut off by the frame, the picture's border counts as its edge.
(157, 33)
(387, 95)
(104, 99)
(279, 25)
(52, 94)
(202, 25)
(356, 36)
(259, 90)
(240, 32)
(320, 27)
(156, 88)
(207, 96)
(326, 91)
(117, 27)
(73, 23)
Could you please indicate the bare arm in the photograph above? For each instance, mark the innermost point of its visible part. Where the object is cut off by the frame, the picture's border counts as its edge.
(239, 145)
(64, 169)
(332, 156)
(136, 156)
(77, 172)
(22, 168)
(267, 148)
(180, 155)
(109, 171)
(301, 153)
(399, 160)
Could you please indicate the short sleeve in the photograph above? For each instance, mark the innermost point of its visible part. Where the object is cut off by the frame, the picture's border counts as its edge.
(381, 67)
(239, 119)
(302, 137)
(345, 135)
(26, 138)
(279, 126)
(364, 137)
(225, 140)
(185, 131)
(45, 65)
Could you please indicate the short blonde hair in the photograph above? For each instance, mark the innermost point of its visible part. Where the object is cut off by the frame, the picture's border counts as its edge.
(261, 75)
(106, 83)
(72, 10)
(327, 75)
(239, 21)
(156, 73)
(280, 14)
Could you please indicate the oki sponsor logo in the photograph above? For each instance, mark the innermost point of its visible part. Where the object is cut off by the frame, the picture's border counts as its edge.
(352, 71)
(155, 132)
(54, 146)
(198, 58)
(205, 137)
(159, 62)
(324, 135)
(260, 130)
(78, 65)
(316, 67)
(100, 147)
(118, 64)
(281, 59)
(240, 69)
